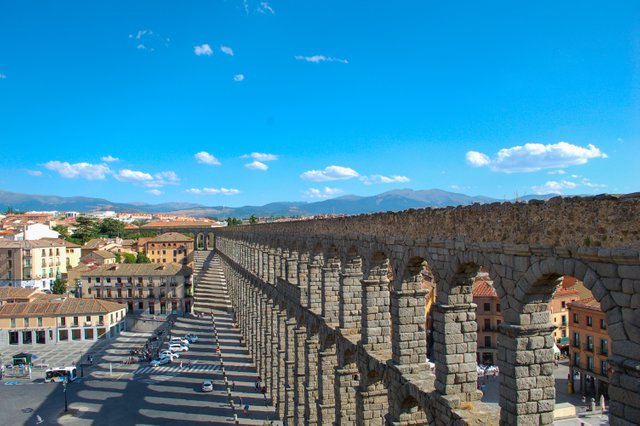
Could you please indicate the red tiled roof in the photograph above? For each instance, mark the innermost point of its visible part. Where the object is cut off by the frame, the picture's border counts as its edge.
(483, 289)
(589, 303)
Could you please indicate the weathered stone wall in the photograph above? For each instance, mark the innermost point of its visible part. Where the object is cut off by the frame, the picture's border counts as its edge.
(344, 294)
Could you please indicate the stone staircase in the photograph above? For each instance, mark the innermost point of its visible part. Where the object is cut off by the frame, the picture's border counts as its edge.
(211, 290)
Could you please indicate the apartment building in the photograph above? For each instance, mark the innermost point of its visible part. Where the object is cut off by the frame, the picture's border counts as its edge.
(489, 317)
(34, 263)
(145, 288)
(589, 348)
(558, 306)
(170, 247)
(28, 319)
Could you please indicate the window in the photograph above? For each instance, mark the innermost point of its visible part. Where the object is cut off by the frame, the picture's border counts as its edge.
(603, 324)
(576, 339)
(589, 345)
(589, 320)
(576, 359)
(497, 307)
(564, 305)
(590, 363)
(39, 321)
(75, 321)
(13, 323)
(575, 318)
(564, 319)
(88, 318)
(604, 368)
(14, 338)
(97, 279)
(604, 350)
(487, 324)
(487, 341)
(108, 280)
(101, 319)
(98, 293)
(63, 321)
(487, 307)
(564, 333)
(26, 322)
(140, 305)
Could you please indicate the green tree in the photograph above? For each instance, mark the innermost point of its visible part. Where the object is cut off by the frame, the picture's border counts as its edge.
(86, 229)
(111, 228)
(129, 257)
(59, 286)
(232, 221)
(253, 219)
(62, 230)
(141, 257)
(118, 258)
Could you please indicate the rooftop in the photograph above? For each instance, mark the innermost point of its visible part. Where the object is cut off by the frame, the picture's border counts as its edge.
(60, 306)
(588, 303)
(170, 237)
(138, 269)
(483, 288)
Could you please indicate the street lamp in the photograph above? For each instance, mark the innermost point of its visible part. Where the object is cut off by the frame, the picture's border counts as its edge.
(64, 390)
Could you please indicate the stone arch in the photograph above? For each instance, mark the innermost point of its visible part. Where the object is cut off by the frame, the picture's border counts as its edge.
(200, 241)
(211, 240)
(410, 411)
(346, 383)
(350, 292)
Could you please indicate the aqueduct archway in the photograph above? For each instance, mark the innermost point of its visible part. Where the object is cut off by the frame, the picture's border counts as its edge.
(335, 309)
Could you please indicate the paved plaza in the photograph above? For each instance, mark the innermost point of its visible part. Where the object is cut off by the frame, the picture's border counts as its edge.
(115, 393)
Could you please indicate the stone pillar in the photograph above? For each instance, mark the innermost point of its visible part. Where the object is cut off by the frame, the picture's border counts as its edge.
(372, 400)
(330, 292)
(347, 379)
(282, 367)
(311, 379)
(315, 287)
(300, 336)
(409, 339)
(265, 332)
(271, 273)
(527, 387)
(274, 383)
(350, 292)
(303, 281)
(327, 361)
(289, 390)
(624, 391)
(456, 341)
(375, 329)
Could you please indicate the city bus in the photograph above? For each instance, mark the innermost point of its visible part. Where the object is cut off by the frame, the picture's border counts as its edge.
(59, 374)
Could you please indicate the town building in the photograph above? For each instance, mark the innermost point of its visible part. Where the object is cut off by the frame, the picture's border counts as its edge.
(589, 349)
(28, 319)
(170, 247)
(560, 315)
(33, 263)
(99, 257)
(145, 288)
(488, 317)
(33, 231)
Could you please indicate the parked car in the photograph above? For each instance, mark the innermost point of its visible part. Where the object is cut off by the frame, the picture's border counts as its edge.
(176, 347)
(179, 340)
(160, 361)
(207, 386)
(169, 354)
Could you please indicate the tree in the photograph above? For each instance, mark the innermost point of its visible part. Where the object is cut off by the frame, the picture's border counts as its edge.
(253, 219)
(59, 286)
(111, 228)
(129, 257)
(141, 257)
(86, 229)
(62, 230)
(232, 221)
(118, 258)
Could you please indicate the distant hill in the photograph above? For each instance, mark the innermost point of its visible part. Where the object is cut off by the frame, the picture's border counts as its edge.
(395, 200)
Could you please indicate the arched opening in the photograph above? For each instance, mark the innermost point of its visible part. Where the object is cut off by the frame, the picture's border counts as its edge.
(211, 241)
(411, 412)
(346, 383)
(200, 241)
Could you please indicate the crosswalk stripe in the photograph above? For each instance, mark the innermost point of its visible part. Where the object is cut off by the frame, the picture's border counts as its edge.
(173, 369)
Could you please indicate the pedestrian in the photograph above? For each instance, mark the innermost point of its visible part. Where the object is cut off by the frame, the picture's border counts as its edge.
(180, 365)
(246, 410)
(233, 385)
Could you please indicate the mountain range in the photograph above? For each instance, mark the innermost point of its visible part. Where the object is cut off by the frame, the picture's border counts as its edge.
(395, 200)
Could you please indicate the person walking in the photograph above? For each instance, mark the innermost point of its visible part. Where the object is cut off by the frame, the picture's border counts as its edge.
(233, 385)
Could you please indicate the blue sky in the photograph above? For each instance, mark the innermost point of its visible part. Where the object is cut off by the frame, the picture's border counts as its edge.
(248, 102)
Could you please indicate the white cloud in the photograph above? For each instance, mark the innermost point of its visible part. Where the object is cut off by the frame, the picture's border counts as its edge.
(586, 182)
(557, 172)
(554, 187)
(330, 173)
(384, 179)
(256, 165)
(163, 178)
(203, 50)
(34, 172)
(204, 157)
(149, 40)
(532, 157)
(109, 159)
(320, 58)
(155, 192)
(477, 159)
(265, 7)
(238, 77)
(226, 50)
(261, 156)
(325, 192)
(126, 175)
(213, 191)
(79, 170)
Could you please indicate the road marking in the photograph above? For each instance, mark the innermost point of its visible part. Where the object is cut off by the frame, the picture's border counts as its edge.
(163, 369)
